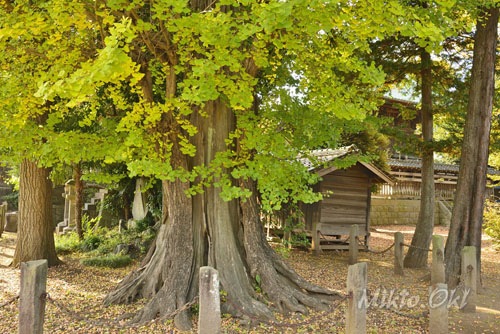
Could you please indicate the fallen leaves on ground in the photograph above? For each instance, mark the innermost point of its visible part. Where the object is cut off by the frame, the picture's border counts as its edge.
(82, 289)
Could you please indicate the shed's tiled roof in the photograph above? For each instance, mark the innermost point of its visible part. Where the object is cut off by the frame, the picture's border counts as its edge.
(327, 155)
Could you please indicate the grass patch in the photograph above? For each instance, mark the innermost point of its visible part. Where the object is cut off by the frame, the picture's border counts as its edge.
(67, 243)
(110, 261)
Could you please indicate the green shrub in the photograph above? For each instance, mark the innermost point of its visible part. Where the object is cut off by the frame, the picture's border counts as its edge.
(67, 243)
(12, 200)
(114, 238)
(91, 242)
(492, 221)
(89, 224)
(110, 261)
(143, 224)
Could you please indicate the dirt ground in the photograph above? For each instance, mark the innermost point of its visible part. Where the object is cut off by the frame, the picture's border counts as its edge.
(82, 289)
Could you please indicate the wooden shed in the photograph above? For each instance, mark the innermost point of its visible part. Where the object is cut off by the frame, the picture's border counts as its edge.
(346, 199)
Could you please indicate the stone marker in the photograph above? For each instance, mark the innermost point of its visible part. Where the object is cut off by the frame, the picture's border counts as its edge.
(398, 253)
(139, 209)
(11, 222)
(356, 310)
(437, 271)
(209, 315)
(316, 239)
(353, 244)
(31, 304)
(469, 277)
(438, 309)
(68, 223)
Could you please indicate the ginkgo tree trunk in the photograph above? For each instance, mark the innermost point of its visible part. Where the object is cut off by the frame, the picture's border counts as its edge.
(208, 230)
(35, 224)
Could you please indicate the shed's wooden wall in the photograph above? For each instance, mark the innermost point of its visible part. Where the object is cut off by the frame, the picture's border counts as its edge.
(347, 204)
(312, 212)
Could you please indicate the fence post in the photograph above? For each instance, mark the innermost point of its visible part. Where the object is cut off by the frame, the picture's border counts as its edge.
(209, 321)
(356, 309)
(316, 246)
(398, 253)
(3, 212)
(438, 309)
(31, 303)
(469, 277)
(353, 244)
(437, 272)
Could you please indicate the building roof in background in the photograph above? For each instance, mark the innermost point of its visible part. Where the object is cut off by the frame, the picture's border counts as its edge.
(416, 164)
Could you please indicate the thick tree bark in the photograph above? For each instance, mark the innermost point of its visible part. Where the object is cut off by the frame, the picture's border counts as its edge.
(416, 258)
(206, 230)
(35, 235)
(467, 214)
(77, 176)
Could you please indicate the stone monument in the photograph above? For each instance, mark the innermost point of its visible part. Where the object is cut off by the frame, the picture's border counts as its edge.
(68, 224)
(139, 209)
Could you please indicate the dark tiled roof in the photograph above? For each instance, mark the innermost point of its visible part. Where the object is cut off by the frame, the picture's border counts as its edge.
(438, 167)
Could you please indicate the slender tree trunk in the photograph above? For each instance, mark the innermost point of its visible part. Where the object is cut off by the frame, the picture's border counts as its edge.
(126, 206)
(467, 214)
(416, 258)
(77, 176)
(206, 230)
(35, 234)
(3, 211)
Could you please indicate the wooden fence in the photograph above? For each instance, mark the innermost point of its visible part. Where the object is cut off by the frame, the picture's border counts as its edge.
(411, 190)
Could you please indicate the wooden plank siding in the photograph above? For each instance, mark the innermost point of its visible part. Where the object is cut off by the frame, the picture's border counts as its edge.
(348, 202)
(312, 212)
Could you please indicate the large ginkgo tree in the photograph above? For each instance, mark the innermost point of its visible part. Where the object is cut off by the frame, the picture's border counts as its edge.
(217, 99)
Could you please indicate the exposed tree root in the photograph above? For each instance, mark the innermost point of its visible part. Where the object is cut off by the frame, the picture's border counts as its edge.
(282, 285)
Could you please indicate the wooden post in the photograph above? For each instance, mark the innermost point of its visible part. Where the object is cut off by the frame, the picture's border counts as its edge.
(209, 321)
(353, 244)
(3, 212)
(316, 239)
(438, 309)
(368, 210)
(356, 288)
(31, 304)
(398, 253)
(437, 272)
(469, 277)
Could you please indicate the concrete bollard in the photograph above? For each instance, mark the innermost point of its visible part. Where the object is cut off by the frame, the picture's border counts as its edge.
(469, 277)
(437, 271)
(356, 310)
(438, 309)
(209, 321)
(353, 244)
(316, 246)
(398, 253)
(31, 304)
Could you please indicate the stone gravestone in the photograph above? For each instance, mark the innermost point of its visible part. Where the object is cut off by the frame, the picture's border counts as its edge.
(11, 222)
(68, 224)
(139, 209)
